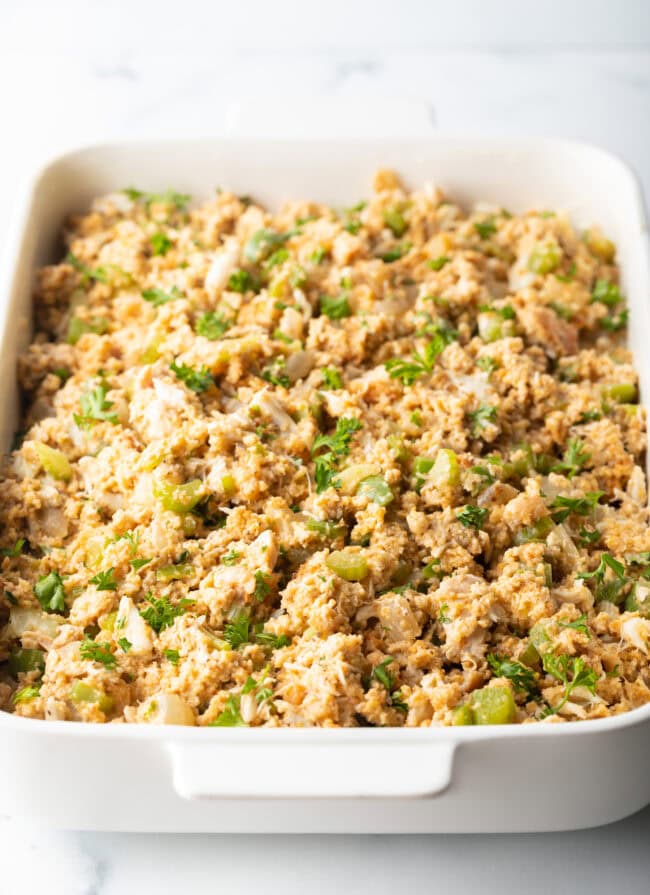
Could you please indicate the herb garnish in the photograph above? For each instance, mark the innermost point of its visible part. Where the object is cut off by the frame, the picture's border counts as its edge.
(337, 446)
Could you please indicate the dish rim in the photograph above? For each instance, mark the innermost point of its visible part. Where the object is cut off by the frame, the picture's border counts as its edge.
(17, 234)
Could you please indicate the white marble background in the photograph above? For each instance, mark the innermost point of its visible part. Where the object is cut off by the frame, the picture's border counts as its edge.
(84, 70)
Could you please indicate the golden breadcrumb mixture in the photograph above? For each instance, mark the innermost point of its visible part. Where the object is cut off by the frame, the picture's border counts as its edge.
(377, 466)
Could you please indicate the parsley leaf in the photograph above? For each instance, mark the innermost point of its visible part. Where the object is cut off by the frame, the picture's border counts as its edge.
(487, 364)
(523, 678)
(606, 561)
(230, 716)
(485, 228)
(335, 307)
(14, 551)
(25, 694)
(212, 325)
(158, 297)
(275, 372)
(172, 655)
(588, 536)
(337, 446)
(241, 281)
(580, 624)
(407, 371)
(50, 593)
(262, 586)
(581, 506)
(472, 516)
(95, 408)
(161, 613)
(236, 631)
(380, 673)
(160, 243)
(438, 263)
(573, 460)
(124, 644)
(607, 293)
(230, 558)
(197, 380)
(97, 652)
(572, 672)
(481, 417)
(615, 322)
(105, 580)
(396, 252)
(331, 378)
(169, 197)
(271, 641)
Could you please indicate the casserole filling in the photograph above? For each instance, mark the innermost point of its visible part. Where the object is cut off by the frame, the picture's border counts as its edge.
(366, 467)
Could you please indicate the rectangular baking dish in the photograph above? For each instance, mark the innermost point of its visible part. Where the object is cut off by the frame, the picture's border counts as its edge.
(145, 778)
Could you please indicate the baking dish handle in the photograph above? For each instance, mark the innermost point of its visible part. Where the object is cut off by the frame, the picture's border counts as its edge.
(236, 770)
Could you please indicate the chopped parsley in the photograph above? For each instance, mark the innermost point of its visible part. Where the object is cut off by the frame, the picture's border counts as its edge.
(95, 408)
(487, 364)
(230, 558)
(271, 641)
(570, 671)
(236, 631)
(328, 450)
(472, 516)
(588, 536)
(124, 644)
(50, 593)
(407, 371)
(438, 263)
(160, 243)
(230, 716)
(481, 417)
(275, 372)
(522, 678)
(615, 322)
(105, 580)
(97, 652)
(169, 197)
(607, 561)
(443, 618)
(580, 624)
(581, 506)
(331, 378)
(606, 293)
(172, 655)
(241, 281)
(396, 252)
(335, 307)
(485, 228)
(158, 297)
(574, 459)
(262, 586)
(212, 325)
(161, 613)
(380, 673)
(197, 380)
(14, 551)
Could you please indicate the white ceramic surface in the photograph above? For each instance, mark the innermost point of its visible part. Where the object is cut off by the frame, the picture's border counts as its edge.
(433, 780)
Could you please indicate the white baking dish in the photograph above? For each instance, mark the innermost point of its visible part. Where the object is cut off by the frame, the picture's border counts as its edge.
(519, 778)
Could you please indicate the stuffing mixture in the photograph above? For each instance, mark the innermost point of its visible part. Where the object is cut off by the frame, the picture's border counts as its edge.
(378, 466)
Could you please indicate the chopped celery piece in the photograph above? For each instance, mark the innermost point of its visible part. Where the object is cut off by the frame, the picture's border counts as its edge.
(107, 622)
(179, 498)
(326, 527)
(490, 326)
(538, 531)
(445, 470)
(638, 600)
(54, 462)
(544, 258)
(24, 660)
(462, 716)
(228, 484)
(377, 489)
(398, 448)
(623, 392)
(347, 565)
(175, 572)
(493, 705)
(261, 244)
(83, 692)
(539, 638)
(78, 327)
(395, 221)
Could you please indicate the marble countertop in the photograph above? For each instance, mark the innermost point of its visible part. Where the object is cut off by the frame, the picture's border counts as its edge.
(76, 72)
